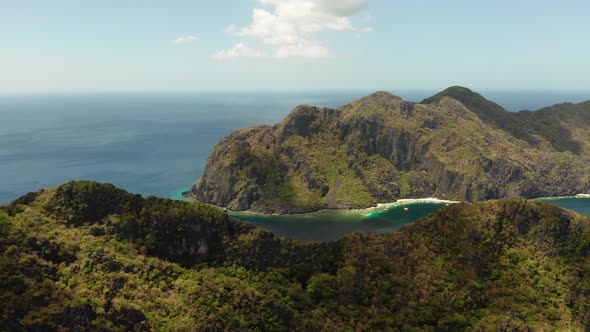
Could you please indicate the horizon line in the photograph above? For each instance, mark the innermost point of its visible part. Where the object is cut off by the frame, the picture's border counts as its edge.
(245, 91)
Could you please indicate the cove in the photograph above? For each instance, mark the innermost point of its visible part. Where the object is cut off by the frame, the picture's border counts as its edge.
(332, 225)
(328, 225)
(580, 204)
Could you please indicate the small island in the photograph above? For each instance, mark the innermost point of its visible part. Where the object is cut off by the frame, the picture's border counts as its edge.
(456, 145)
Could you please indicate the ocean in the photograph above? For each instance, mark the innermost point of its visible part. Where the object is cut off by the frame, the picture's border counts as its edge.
(158, 143)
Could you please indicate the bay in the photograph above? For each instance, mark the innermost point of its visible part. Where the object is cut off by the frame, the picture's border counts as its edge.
(158, 144)
(332, 225)
(579, 204)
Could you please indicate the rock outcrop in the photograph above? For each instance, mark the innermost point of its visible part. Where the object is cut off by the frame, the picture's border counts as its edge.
(454, 145)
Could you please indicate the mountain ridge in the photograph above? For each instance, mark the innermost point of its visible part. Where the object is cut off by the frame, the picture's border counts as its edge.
(518, 123)
(380, 148)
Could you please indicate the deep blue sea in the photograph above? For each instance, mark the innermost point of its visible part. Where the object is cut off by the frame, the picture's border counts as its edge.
(158, 143)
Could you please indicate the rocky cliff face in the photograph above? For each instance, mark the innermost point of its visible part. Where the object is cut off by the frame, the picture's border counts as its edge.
(455, 145)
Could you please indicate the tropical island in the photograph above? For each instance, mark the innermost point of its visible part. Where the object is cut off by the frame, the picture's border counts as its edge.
(153, 177)
(90, 256)
(455, 145)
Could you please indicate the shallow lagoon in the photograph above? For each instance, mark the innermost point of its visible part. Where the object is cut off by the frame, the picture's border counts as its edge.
(331, 225)
(580, 204)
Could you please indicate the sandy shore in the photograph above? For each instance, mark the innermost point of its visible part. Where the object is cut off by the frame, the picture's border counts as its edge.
(401, 202)
(378, 208)
(564, 197)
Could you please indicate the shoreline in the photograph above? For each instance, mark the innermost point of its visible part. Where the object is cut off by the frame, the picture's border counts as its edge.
(562, 197)
(378, 208)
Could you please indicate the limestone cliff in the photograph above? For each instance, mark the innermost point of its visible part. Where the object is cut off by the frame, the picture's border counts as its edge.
(455, 145)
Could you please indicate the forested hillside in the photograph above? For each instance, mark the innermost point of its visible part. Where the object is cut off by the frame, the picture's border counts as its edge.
(89, 256)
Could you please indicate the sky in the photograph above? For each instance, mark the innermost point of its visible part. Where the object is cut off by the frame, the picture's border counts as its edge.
(284, 45)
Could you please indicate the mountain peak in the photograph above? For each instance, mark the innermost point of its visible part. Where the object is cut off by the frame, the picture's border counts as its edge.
(466, 96)
(487, 110)
(458, 88)
(381, 98)
(382, 94)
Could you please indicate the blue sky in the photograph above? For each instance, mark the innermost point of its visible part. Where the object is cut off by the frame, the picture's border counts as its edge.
(261, 45)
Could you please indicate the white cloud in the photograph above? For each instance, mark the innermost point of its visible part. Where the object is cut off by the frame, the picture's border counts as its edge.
(185, 40)
(240, 50)
(343, 7)
(367, 29)
(306, 49)
(288, 26)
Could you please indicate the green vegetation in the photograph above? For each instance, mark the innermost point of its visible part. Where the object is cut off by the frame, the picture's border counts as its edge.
(454, 145)
(405, 188)
(562, 127)
(89, 256)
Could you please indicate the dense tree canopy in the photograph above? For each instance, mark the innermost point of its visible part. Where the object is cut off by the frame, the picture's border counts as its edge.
(89, 256)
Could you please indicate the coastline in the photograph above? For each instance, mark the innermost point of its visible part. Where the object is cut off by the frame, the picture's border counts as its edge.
(562, 197)
(380, 207)
(373, 209)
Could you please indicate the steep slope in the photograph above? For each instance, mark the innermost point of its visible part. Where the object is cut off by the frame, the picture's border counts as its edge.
(488, 111)
(562, 127)
(89, 256)
(381, 148)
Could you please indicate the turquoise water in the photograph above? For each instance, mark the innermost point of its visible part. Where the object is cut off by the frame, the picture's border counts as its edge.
(331, 225)
(177, 195)
(578, 204)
